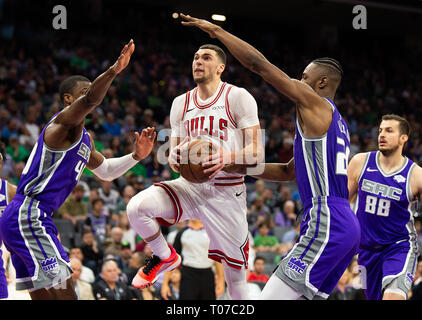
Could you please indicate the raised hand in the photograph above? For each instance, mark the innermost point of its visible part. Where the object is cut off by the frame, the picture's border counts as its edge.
(144, 143)
(124, 57)
(204, 25)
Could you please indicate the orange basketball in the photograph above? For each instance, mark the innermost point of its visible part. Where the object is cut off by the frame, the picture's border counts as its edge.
(192, 170)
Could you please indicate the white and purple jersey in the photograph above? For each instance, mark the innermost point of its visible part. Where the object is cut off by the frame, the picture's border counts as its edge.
(321, 163)
(50, 175)
(329, 231)
(385, 206)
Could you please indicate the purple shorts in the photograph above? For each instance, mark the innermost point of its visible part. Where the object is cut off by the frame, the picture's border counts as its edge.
(329, 238)
(31, 237)
(380, 267)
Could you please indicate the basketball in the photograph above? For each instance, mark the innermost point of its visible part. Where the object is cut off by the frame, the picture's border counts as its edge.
(192, 169)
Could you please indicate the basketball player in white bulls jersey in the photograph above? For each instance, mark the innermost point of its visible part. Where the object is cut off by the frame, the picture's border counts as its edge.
(224, 114)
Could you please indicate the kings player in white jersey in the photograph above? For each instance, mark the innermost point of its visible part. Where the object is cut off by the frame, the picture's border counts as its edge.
(225, 115)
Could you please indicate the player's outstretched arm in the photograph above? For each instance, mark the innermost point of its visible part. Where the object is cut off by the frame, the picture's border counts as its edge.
(353, 173)
(75, 113)
(268, 171)
(110, 169)
(278, 171)
(297, 91)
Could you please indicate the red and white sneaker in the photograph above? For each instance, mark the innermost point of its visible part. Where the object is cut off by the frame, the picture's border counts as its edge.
(149, 273)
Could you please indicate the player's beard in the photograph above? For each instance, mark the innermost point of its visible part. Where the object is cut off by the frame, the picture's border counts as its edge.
(388, 152)
(200, 79)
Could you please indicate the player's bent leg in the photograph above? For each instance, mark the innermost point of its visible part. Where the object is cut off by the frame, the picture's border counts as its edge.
(236, 282)
(145, 207)
(36, 252)
(277, 289)
(142, 210)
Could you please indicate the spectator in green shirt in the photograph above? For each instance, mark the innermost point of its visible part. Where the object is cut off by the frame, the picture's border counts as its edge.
(263, 241)
(15, 150)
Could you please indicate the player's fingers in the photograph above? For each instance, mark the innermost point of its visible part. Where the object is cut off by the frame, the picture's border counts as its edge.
(131, 46)
(188, 24)
(187, 17)
(213, 158)
(184, 141)
(149, 132)
(124, 49)
(210, 168)
(217, 170)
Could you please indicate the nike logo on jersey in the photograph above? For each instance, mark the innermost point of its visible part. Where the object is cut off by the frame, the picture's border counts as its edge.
(189, 110)
(371, 170)
(238, 194)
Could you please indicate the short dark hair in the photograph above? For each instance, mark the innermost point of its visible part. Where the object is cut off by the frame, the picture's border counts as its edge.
(69, 84)
(94, 202)
(331, 63)
(258, 258)
(404, 125)
(220, 52)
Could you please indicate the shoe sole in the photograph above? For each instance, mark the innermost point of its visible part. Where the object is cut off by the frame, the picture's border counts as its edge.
(169, 268)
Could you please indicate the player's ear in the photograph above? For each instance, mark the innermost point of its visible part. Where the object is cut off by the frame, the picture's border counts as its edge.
(221, 68)
(67, 99)
(404, 138)
(323, 82)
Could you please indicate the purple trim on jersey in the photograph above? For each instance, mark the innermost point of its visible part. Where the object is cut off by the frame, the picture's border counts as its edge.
(32, 230)
(316, 167)
(316, 230)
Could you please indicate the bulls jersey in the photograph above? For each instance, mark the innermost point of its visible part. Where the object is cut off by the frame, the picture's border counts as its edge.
(4, 195)
(385, 206)
(50, 175)
(219, 118)
(321, 163)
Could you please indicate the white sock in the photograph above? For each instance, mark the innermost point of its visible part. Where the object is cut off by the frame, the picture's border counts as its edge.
(277, 289)
(236, 282)
(160, 247)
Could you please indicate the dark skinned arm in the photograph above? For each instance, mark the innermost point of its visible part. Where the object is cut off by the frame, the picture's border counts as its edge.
(72, 118)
